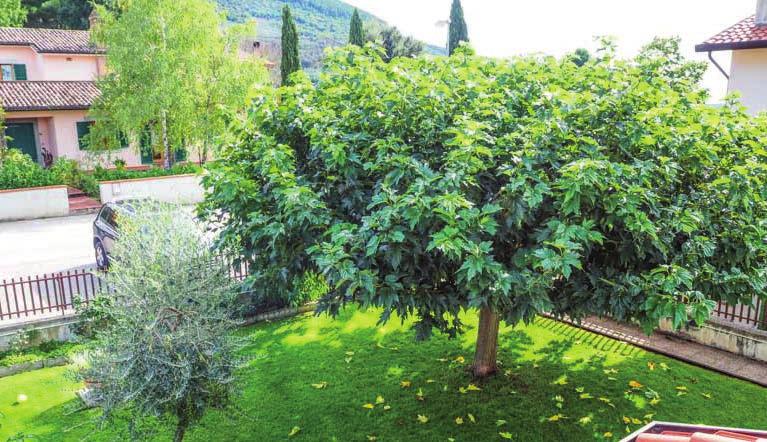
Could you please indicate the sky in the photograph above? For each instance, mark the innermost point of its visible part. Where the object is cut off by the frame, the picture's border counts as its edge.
(502, 28)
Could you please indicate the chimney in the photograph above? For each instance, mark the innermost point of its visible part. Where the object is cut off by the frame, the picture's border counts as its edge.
(761, 12)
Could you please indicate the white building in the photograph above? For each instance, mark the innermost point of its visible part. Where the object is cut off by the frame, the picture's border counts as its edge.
(748, 42)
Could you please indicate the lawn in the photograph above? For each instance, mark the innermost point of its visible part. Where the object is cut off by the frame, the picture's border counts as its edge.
(349, 380)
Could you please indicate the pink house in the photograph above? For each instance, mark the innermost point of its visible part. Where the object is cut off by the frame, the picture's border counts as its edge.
(47, 85)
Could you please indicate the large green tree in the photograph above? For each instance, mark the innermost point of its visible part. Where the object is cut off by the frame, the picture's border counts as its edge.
(458, 31)
(356, 30)
(62, 14)
(290, 60)
(174, 73)
(432, 187)
(12, 13)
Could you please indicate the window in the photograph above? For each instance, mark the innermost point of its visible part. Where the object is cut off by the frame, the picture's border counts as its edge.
(13, 72)
(83, 130)
(109, 216)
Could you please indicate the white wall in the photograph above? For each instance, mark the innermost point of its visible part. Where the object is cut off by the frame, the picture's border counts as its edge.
(748, 75)
(42, 202)
(181, 189)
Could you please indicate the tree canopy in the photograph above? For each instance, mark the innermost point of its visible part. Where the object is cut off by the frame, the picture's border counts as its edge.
(458, 31)
(62, 14)
(12, 13)
(393, 43)
(427, 187)
(174, 74)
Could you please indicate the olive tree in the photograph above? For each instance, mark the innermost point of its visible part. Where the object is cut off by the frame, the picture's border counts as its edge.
(430, 187)
(167, 348)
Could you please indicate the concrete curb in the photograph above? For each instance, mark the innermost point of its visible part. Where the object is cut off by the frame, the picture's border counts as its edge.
(36, 365)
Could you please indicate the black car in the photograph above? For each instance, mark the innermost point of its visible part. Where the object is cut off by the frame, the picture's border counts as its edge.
(105, 229)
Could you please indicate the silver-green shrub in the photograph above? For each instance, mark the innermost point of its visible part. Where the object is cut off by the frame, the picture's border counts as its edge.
(168, 350)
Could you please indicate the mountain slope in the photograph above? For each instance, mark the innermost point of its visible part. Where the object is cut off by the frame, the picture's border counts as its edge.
(320, 23)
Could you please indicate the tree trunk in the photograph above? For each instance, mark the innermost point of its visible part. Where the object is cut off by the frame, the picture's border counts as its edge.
(180, 431)
(165, 144)
(485, 357)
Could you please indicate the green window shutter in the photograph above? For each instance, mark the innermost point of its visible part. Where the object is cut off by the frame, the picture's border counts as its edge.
(20, 72)
(122, 139)
(83, 129)
(181, 155)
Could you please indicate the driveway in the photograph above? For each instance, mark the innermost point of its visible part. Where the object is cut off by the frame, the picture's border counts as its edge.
(29, 248)
(46, 245)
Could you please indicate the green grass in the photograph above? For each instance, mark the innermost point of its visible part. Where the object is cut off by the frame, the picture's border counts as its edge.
(544, 364)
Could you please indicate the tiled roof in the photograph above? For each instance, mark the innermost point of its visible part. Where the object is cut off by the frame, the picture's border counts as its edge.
(56, 41)
(744, 35)
(47, 95)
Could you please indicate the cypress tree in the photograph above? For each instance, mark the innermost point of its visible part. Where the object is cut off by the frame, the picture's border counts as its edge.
(356, 33)
(290, 60)
(458, 30)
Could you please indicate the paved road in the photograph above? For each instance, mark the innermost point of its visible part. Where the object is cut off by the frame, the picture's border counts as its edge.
(29, 248)
(45, 245)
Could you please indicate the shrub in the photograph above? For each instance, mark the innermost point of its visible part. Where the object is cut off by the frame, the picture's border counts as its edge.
(93, 317)
(102, 174)
(18, 170)
(67, 172)
(167, 348)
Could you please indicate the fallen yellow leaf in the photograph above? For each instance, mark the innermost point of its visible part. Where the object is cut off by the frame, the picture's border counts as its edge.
(423, 419)
(380, 399)
(369, 406)
(557, 417)
(473, 387)
(320, 386)
(505, 435)
(294, 431)
(562, 380)
(459, 420)
(459, 359)
(405, 384)
(472, 418)
(635, 384)
(419, 395)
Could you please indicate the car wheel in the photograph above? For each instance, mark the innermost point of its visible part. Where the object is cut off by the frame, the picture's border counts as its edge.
(102, 260)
